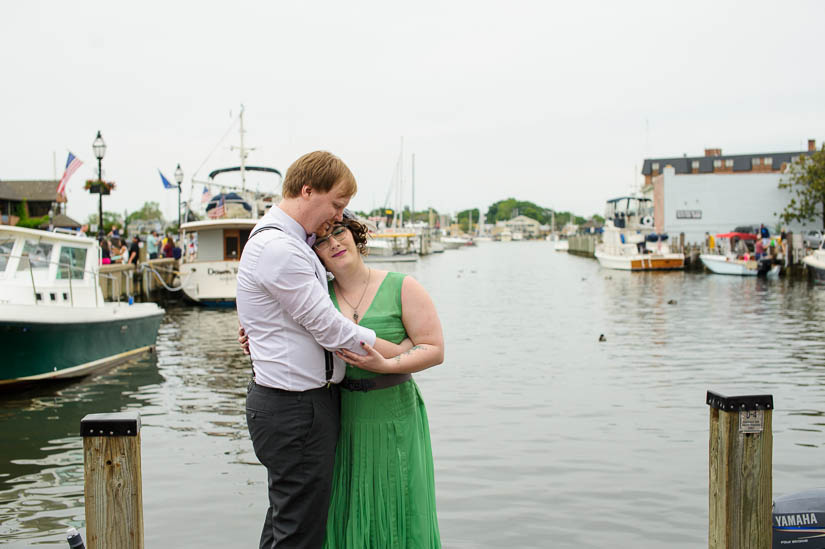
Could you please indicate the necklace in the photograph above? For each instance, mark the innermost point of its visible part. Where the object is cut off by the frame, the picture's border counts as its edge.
(355, 309)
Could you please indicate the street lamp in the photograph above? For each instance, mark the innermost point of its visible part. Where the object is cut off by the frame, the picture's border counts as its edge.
(99, 146)
(179, 179)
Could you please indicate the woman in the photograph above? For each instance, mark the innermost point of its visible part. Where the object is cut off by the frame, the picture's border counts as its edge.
(105, 255)
(119, 251)
(383, 492)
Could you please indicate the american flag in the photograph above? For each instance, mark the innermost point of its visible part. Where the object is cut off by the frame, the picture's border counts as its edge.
(205, 196)
(219, 210)
(72, 164)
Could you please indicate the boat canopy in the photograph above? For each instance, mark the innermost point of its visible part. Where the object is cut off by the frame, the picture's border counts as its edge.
(213, 173)
(740, 236)
(228, 198)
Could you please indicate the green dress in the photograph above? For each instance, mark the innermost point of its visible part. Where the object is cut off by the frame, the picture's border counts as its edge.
(383, 488)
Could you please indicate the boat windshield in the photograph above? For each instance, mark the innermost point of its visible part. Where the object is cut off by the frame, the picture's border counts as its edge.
(6, 245)
(34, 260)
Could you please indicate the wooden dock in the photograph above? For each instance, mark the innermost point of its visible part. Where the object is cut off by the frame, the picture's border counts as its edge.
(120, 281)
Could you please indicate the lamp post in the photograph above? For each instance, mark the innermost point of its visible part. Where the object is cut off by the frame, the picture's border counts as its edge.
(99, 146)
(179, 180)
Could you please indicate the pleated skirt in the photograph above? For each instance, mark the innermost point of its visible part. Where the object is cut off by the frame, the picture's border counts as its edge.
(383, 492)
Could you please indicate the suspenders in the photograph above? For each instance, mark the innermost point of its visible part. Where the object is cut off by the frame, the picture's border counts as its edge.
(328, 367)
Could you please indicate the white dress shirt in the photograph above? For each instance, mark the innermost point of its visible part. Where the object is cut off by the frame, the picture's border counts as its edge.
(284, 307)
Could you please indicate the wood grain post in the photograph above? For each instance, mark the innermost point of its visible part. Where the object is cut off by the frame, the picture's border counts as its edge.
(114, 499)
(740, 471)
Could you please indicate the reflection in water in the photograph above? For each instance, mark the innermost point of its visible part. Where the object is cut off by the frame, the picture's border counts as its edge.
(542, 435)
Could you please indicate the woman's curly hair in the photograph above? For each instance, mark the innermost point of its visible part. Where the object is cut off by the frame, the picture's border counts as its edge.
(359, 233)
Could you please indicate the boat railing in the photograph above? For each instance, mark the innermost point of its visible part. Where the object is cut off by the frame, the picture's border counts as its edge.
(73, 269)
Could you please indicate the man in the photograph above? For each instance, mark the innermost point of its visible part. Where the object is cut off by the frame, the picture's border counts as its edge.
(152, 245)
(134, 250)
(292, 404)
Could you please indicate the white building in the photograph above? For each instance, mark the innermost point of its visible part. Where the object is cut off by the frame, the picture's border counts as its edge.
(716, 203)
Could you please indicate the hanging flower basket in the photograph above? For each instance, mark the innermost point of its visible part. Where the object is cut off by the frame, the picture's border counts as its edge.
(99, 187)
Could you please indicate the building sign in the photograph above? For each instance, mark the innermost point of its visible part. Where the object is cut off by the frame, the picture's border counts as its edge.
(688, 214)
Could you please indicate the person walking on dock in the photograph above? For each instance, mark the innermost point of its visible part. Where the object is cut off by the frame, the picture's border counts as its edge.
(292, 403)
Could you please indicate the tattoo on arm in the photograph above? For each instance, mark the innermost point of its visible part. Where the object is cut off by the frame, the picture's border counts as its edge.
(414, 348)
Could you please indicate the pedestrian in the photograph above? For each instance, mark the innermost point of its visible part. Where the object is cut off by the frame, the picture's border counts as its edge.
(134, 250)
(152, 245)
(169, 247)
(105, 254)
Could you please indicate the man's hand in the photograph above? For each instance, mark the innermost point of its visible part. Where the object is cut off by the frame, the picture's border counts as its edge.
(372, 361)
(243, 339)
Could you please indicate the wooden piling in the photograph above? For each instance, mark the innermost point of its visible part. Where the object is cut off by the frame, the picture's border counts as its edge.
(113, 484)
(740, 471)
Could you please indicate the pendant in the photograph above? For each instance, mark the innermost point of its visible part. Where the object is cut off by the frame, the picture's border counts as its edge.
(355, 316)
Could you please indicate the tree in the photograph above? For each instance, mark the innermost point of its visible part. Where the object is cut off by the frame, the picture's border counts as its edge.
(463, 219)
(109, 219)
(26, 221)
(150, 211)
(806, 182)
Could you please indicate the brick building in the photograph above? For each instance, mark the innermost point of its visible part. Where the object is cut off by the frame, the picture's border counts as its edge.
(715, 192)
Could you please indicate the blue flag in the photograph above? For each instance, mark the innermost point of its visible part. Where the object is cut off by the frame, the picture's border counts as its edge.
(166, 184)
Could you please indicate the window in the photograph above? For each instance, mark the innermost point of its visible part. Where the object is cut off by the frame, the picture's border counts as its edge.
(768, 161)
(729, 163)
(756, 161)
(655, 165)
(6, 245)
(72, 260)
(34, 260)
(231, 245)
(694, 165)
(717, 163)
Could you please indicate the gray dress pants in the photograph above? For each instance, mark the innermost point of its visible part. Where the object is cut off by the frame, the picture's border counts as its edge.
(294, 435)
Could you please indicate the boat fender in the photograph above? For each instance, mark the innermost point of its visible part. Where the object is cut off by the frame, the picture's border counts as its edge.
(647, 221)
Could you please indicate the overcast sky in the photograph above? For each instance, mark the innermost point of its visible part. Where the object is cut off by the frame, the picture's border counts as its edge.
(556, 103)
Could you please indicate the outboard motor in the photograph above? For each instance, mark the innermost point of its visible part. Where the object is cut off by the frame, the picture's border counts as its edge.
(764, 266)
(799, 520)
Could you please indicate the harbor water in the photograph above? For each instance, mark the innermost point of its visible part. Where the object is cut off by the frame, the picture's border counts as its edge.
(543, 436)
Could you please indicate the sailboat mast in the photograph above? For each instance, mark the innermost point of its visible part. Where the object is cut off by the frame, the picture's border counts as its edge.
(412, 186)
(243, 156)
(400, 197)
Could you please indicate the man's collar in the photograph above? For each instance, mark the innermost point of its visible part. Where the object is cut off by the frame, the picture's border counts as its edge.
(288, 223)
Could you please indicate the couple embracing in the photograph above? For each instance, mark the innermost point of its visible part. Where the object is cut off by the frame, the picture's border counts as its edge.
(332, 409)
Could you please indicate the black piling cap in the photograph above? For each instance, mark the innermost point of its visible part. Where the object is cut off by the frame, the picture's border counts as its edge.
(118, 424)
(745, 403)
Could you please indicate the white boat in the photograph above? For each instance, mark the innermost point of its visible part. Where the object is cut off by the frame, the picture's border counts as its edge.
(518, 236)
(561, 245)
(455, 242)
(208, 273)
(816, 263)
(391, 247)
(505, 236)
(727, 261)
(54, 323)
(629, 240)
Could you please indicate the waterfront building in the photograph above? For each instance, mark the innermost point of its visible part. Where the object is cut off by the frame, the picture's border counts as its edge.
(527, 226)
(38, 195)
(715, 193)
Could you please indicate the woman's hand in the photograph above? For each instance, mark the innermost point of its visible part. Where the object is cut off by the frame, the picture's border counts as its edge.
(243, 339)
(372, 361)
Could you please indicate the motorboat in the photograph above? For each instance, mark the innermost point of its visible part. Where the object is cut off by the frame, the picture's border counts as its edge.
(208, 273)
(209, 270)
(816, 263)
(54, 323)
(391, 247)
(630, 242)
(735, 257)
(455, 242)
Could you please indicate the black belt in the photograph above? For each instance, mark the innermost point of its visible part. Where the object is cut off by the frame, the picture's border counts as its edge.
(375, 383)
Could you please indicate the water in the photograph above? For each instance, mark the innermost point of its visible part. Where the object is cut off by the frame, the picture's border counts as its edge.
(542, 435)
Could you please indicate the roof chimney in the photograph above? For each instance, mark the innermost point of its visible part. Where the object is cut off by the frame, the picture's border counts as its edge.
(812, 145)
(713, 152)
